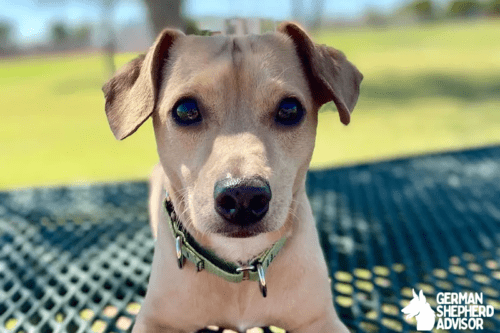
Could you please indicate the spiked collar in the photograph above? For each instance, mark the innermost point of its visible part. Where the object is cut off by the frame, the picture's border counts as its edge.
(205, 259)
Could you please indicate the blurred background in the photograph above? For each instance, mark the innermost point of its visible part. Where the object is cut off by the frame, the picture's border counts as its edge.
(432, 78)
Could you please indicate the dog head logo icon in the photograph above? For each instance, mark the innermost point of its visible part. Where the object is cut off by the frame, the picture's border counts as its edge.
(422, 311)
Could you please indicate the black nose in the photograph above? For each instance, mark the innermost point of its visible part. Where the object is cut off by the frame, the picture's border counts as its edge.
(242, 201)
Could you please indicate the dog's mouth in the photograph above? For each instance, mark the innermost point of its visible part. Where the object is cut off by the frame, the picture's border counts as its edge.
(236, 231)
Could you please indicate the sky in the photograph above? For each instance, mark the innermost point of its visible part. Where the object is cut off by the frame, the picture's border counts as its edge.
(31, 19)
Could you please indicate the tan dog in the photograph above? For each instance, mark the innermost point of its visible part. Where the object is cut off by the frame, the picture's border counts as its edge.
(235, 123)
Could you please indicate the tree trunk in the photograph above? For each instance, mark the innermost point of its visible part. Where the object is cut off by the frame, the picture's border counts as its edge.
(109, 47)
(319, 7)
(166, 13)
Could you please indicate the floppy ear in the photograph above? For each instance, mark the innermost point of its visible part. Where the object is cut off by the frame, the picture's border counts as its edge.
(331, 76)
(131, 94)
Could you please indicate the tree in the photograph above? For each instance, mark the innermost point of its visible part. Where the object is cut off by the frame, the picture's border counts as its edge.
(424, 10)
(420, 10)
(109, 43)
(162, 13)
(165, 13)
(59, 33)
(375, 18)
(5, 36)
(318, 8)
(463, 8)
(493, 8)
(82, 35)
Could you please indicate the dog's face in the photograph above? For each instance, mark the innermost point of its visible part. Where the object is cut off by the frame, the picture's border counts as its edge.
(252, 131)
(235, 122)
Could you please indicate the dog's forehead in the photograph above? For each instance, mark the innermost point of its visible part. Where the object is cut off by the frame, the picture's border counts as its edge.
(235, 70)
(273, 52)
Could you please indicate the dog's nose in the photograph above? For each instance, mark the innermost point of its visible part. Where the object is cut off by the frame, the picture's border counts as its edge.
(242, 201)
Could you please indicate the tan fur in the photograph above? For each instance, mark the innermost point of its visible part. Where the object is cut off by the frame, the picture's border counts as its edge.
(238, 83)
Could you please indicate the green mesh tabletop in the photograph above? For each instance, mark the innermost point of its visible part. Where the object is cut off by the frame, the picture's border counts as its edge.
(77, 259)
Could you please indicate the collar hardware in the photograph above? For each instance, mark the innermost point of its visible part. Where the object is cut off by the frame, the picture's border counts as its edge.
(246, 270)
(186, 247)
(262, 280)
(200, 266)
(178, 252)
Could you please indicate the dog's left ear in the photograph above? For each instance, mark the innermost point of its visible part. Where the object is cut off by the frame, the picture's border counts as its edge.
(131, 94)
(331, 76)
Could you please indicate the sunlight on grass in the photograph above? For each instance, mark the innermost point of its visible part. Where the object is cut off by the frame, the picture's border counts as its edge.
(427, 126)
(426, 89)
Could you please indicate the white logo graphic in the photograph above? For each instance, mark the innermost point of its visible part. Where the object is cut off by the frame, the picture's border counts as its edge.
(422, 311)
(462, 311)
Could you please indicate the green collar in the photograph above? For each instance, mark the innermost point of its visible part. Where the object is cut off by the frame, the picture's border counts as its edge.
(188, 248)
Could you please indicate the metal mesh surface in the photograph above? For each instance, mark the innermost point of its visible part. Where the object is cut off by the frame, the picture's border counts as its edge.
(77, 259)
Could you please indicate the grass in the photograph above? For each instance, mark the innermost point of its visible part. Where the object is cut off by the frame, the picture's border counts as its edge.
(426, 89)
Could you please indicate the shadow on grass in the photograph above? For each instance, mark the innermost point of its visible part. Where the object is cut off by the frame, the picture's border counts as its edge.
(401, 87)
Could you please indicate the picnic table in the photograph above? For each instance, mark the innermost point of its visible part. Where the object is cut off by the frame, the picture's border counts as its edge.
(78, 258)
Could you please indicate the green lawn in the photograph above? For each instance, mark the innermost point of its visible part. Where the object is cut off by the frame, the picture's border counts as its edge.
(430, 88)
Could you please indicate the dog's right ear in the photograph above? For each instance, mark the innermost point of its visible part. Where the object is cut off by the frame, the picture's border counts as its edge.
(331, 76)
(131, 94)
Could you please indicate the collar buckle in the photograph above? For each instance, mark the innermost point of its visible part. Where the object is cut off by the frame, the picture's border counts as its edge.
(246, 271)
(260, 271)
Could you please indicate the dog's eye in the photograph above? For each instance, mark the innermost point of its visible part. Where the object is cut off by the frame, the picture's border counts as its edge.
(290, 112)
(186, 112)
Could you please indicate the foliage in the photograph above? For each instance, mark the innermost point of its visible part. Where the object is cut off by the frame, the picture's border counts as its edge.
(423, 9)
(64, 36)
(375, 18)
(82, 34)
(192, 28)
(60, 33)
(464, 8)
(493, 8)
(426, 10)
(5, 35)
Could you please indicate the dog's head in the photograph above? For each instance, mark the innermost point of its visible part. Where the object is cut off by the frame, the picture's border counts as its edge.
(417, 304)
(235, 122)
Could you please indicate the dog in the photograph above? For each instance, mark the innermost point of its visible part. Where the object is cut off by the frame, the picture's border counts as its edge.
(235, 122)
(422, 311)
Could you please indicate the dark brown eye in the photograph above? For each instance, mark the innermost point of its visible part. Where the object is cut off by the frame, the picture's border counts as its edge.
(186, 112)
(290, 112)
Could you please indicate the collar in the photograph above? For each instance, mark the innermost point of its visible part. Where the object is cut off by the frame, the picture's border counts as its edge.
(204, 259)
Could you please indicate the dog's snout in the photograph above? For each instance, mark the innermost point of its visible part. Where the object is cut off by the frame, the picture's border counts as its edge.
(242, 201)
